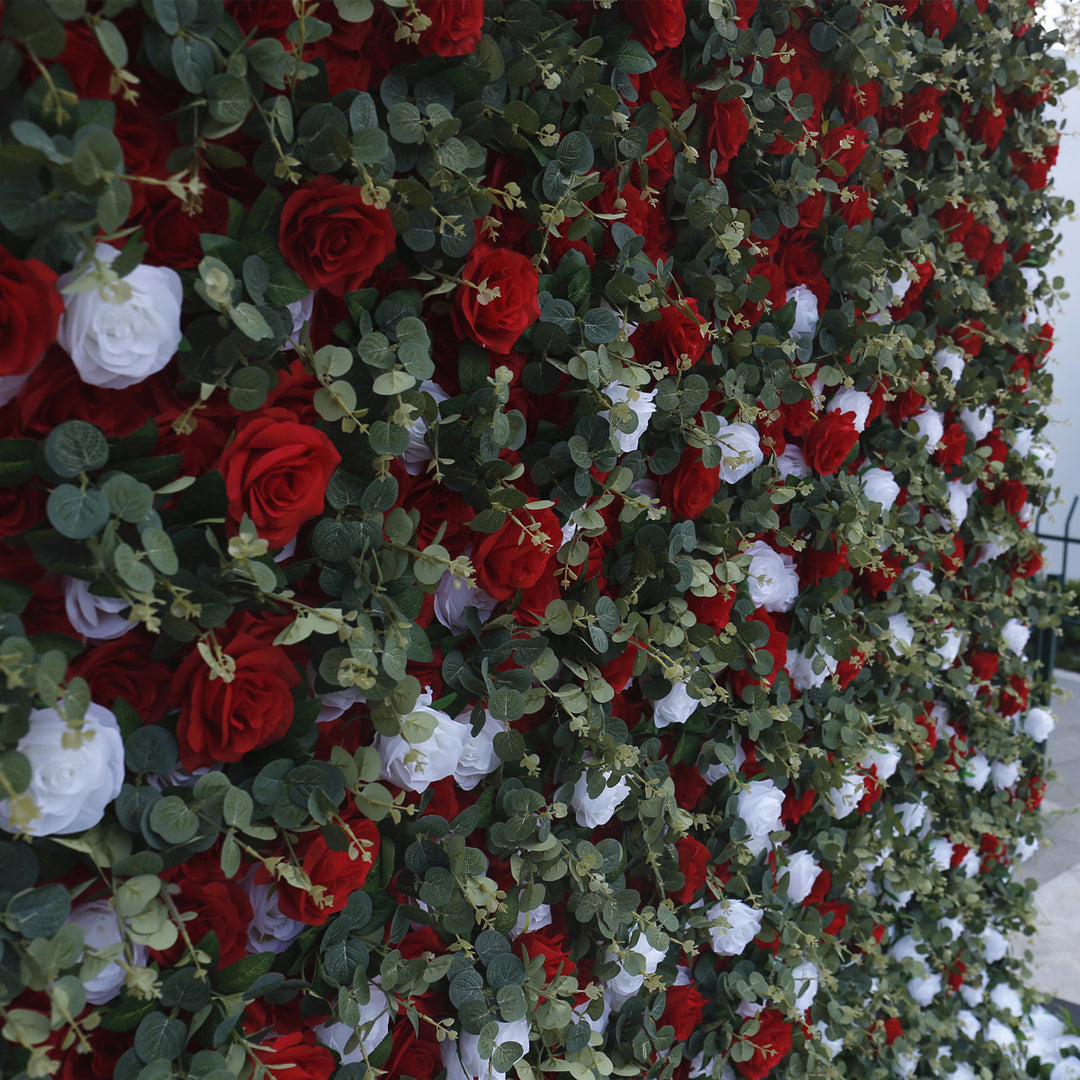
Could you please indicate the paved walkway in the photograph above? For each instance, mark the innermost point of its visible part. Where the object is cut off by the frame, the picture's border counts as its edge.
(1056, 866)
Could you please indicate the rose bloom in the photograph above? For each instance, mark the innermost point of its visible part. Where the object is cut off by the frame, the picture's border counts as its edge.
(759, 806)
(276, 472)
(688, 490)
(737, 925)
(69, 786)
(434, 759)
(30, 310)
(830, 441)
(222, 721)
(101, 930)
(772, 1043)
(660, 24)
(741, 448)
(772, 577)
(412, 1054)
(456, 26)
(298, 1056)
(496, 321)
(118, 336)
(511, 559)
(331, 238)
(334, 872)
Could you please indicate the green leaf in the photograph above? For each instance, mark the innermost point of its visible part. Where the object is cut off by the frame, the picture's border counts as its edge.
(77, 514)
(236, 978)
(151, 749)
(249, 387)
(134, 573)
(159, 550)
(249, 320)
(16, 461)
(16, 771)
(601, 326)
(112, 43)
(97, 154)
(129, 499)
(173, 820)
(632, 57)
(229, 97)
(194, 63)
(256, 277)
(75, 447)
(36, 913)
(114, 205)
(160, 1037)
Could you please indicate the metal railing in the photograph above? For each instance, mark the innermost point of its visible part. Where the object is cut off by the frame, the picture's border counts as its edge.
(1043, 644)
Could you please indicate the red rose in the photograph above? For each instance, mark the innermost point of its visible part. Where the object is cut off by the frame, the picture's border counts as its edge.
(121, 669)
(276, 472)
(843, 147)
(511, 558)
(334, 872)
(771, 1042)
(222, 721)
(953, 444)
(926, 102)
(550, 943)
(677, 339)
(106, 1048)
(456, 27)
(173, 234)
(412, 1054)
(726, 129)
(332, 238)
(30, 310)
(298, 1056)
(830, 441)
(660, 24)
(684, 1008)
(937, 17)
(714, 611)
(219, 905)
(496, 322)
(21, 508)
(693, 865)
(688, 490)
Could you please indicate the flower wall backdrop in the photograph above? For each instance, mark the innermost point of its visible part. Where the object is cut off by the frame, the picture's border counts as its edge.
(516, 538)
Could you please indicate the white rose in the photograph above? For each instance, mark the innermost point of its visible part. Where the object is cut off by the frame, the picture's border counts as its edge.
(735, 925)
(1025, 847)
(1023, 440)
(374, 1026)
(920, 579)
(593, 812)
(1066, 1069)
(967, 1022)
(95, 617)
(675, 707)
(1005, 774)
(101, 931)
(976, 771)
(978, 421)
(1007, 999)
(414, 767)
(641, 405)
(801, 871)
(1038, 724)
(880, 486)
(269, 931)
(1045, 457)
(454, 597)
(773, 578)
(800, 667)
(995, 944)
(959, 496)
(741, 449)
(912, 816)
(853, 401)
(884, 758)
(952, 642)
(931, 425)
(941, 852)
(950, 362)
(69, 786)
(538, 917)
(792, 463)
(901, 633)
(845, 798)
(624, 985)
(1016, 634)
(970, 864)
(478, 758)
(463, 1060)
(997, 1032)
(923, 989)
(759, 805)
(807, 311)
(337, 702)
(117, 337)
(807, 978)
(300, 312)
(418, 453)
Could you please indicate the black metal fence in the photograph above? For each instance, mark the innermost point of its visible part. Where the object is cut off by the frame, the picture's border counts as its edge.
(1043, 644)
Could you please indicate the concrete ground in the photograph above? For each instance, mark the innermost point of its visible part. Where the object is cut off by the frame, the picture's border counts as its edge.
(1056, 866)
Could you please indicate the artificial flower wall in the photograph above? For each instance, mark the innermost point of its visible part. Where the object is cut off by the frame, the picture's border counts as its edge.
(516, 538)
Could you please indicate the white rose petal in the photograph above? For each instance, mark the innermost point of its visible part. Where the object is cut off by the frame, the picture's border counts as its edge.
(462, 1057)
(593, 812)
(101, 930)
(1038, 723)
(675, 707)
(854, 401)
(453, 597)
(270, 930)
(373, 1027)
(845, 798)
(1005, 775)
(792, 463)
(415, 767)
(759, 805)
(741, 449)
(950, 362)
(478, 758)
(931, 425)
(641, 404)
(736, 924)
(70, 786)
(1016, 634)
(418, 453)
(801, 871)
(118, 336)
(951, 644)
(772, 577)
(880, 486)
(979, 422)
(807, 311)
(901, 633)
(95, 617)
